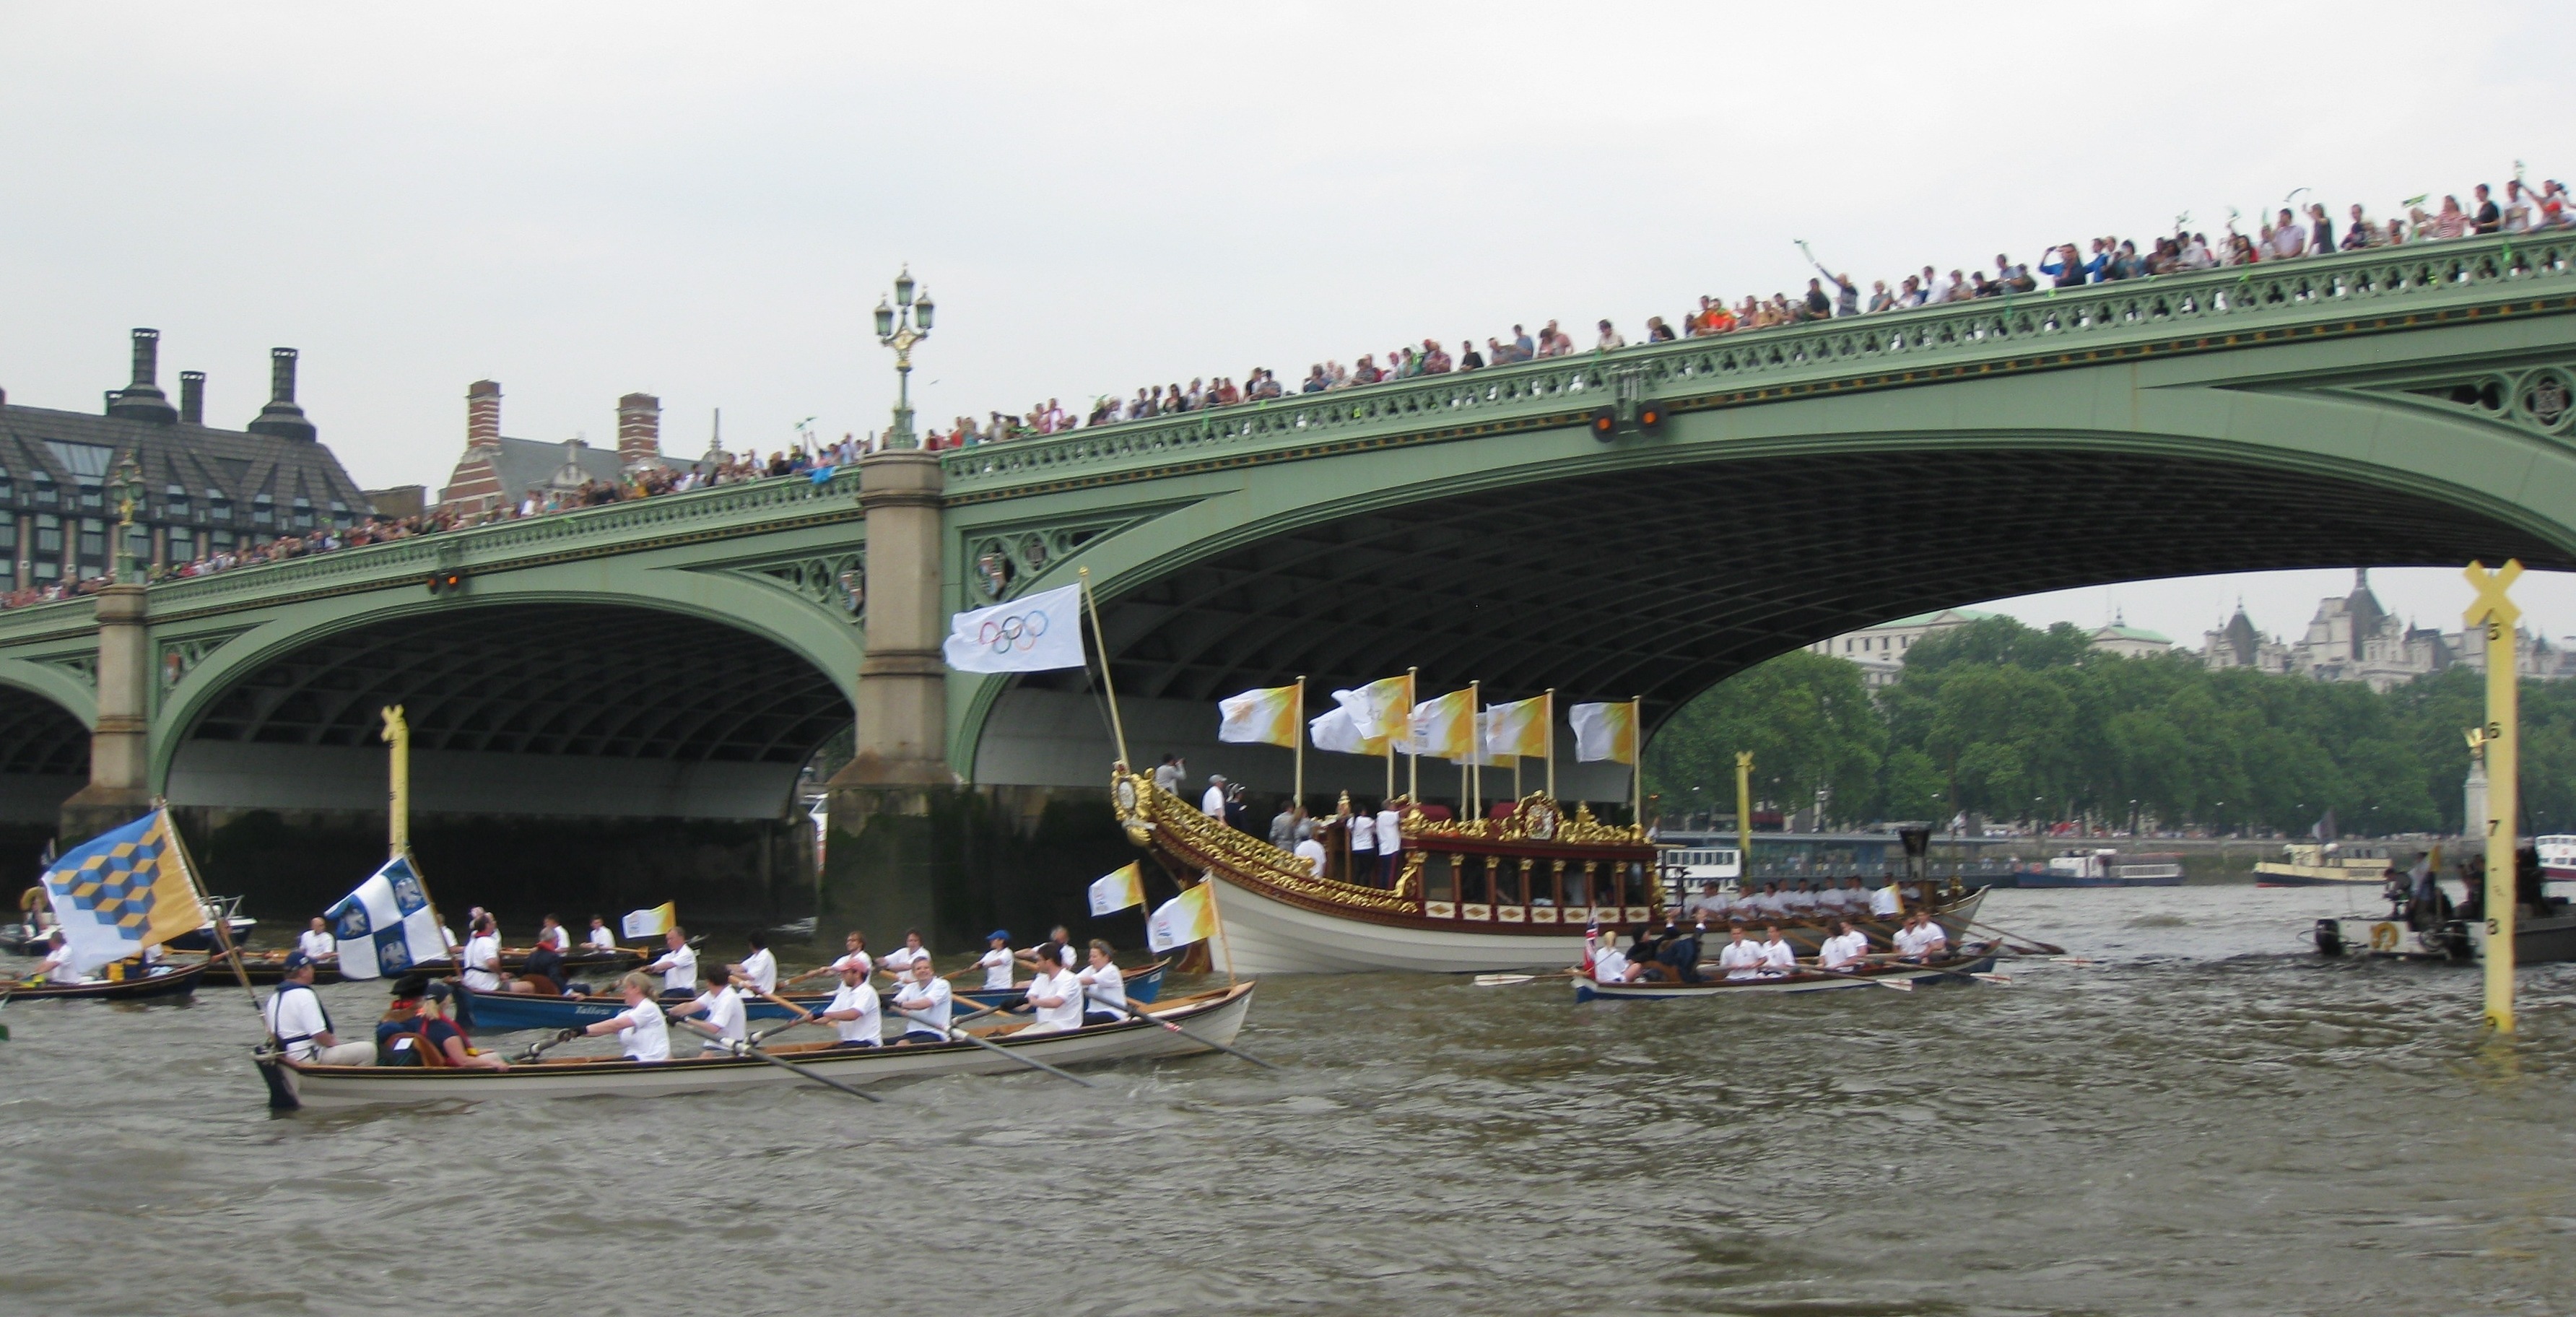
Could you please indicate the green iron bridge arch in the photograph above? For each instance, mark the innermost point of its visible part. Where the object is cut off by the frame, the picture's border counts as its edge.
(2398, 407)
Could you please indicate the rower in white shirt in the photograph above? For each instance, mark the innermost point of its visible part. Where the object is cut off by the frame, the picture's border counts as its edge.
(1799, 902)
(58, 966)
(1739, 958)
(1063, 949)
(760, 968)
(855, 954)
(1930, 943)
(721, 1003)
(552, 933)
(855, 1011)
(483, 956)
(641, 1030)
(997, 961)
(1778, 957)
(316, 942)
(1056, 994)
(678, 965)
(1707, 903)
(1855, 897)
(1104, 988)
(600, 937)
(925, 1004)
(1884, 903)
(898, 962)
(1843, 950)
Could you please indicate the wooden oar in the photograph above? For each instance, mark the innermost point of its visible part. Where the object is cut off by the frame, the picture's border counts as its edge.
(746, 1048)
(989, 1045)
(2036, 946)
(1510, 980)
(1135, 1014)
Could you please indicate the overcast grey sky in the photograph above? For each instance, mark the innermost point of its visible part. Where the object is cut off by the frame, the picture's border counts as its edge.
(705, 202)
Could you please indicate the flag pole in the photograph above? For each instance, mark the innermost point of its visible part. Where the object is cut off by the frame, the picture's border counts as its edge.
(1412, 757)
(1301, 741)
(1551, 743)
(1217, 917)
(1106, 685)
(1475, 750)
(223, 924)
(1637, 758)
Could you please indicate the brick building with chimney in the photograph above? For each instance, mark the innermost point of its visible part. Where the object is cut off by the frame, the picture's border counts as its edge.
(498, 470)
(205, 489)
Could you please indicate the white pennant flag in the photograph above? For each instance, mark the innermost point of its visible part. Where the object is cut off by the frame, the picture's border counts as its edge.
(1034, 633)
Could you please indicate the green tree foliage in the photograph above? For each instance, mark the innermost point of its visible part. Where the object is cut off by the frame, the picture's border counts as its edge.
(2012, 722)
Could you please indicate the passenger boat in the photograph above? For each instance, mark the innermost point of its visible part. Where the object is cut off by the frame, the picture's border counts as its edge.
(2104, 868)
(2557, 856)
(1957, 969)
(1215, 1016)
(503, 1011)
(2331, 864)
(1474, 895)
(270, 966)
(160, 981)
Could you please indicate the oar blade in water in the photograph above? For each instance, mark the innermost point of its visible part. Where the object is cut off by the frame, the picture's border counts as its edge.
(1503, 980)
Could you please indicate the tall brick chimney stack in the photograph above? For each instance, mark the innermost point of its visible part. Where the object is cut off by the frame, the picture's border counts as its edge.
(192, 397)
(483, 415)
(281, 417)
(143, 400)
(639, 430)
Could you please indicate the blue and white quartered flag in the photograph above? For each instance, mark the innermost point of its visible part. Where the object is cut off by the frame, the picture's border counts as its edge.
(123, 891)
(385, 926)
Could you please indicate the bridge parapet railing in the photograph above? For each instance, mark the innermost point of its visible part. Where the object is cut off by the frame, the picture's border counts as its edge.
(2373, 281)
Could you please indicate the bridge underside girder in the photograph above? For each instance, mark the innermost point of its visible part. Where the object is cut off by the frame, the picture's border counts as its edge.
(1664, 583)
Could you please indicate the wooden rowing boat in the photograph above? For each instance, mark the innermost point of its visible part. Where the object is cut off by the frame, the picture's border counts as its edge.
(1215, 1016)
(168, 981)
(1478, 895)
(270, 966)
(1956, 970)
(495, 1012)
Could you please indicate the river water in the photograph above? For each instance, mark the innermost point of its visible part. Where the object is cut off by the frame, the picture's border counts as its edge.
(2210, 1118)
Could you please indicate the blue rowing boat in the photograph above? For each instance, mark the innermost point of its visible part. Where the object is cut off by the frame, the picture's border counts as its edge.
(501, 1012)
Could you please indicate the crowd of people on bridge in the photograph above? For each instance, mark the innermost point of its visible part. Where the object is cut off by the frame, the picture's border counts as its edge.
(2294, 232)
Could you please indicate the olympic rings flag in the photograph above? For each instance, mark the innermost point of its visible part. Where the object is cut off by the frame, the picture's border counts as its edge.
(1034, 633)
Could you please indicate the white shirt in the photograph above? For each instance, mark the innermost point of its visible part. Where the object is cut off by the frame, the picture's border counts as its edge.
(997, 968)
(762, 969)
(295, 1011)
(680, 969)
(869, 1027)
(724, 1011)
(1053, 1019)
(1363, 834)
(1609, 965)
(1800, 902)
(1930, 941)
(1107, 985)
(483, 949)
(866, 964)
(931, 1001)
(1838, 951)
(1390, 832)
(603, 939)
(1883, 901)
(317, 945)
(1779, 957)
(643, 1032)
(1312, 852)
(1740, 960)
(558, 937)
(900, 960)
(1213, 803)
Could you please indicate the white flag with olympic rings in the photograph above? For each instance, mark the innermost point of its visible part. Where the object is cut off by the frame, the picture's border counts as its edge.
(1033, 633)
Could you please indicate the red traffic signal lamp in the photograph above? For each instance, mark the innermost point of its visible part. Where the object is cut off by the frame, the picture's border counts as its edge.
(1605, 424)
(1650, 418)
(446, 582)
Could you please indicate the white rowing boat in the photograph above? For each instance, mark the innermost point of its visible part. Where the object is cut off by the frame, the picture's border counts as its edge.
(1879, 973)
(1215, 1016)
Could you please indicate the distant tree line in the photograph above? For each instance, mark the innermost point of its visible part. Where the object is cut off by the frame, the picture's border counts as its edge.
(2002, 720)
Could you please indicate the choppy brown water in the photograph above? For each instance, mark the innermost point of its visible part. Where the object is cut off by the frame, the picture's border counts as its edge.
(2212, 1119)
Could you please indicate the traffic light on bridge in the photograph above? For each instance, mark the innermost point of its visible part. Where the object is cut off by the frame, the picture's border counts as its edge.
(446, 581)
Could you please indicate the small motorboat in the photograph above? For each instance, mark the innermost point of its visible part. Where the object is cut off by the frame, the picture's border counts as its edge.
(225, 908)
(159, 981)
(1957, 969)
(1214, 1016)
(500, 1012)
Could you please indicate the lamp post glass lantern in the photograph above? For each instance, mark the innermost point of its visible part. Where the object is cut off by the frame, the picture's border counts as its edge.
(128, 479)
(901, 324)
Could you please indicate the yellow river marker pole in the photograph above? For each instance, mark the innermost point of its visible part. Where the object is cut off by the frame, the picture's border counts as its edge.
(2497, 615)
(398, 797)
(1743, 818)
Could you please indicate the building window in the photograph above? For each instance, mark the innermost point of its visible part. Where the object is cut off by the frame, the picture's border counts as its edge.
(48, 570)
(304, 514)
(220, 541)
(263, 511)
(92, 497)
(49, 538)
(217, 506)
(8, 487)
(175, 500)
(340, 514)
(46, 495)
(9, 533)
(93, 541)
(182, 545)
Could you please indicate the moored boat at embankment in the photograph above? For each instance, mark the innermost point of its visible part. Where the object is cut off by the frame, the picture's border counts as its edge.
(1214, 1016)
(1469, 896)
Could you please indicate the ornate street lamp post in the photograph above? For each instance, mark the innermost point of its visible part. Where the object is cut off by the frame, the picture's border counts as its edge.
(899, 326)
(129, 496)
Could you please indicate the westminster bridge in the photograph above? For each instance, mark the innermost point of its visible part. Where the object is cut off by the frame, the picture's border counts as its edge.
(1638, 523)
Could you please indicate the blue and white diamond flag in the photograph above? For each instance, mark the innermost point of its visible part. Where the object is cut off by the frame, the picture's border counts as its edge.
(385, 927)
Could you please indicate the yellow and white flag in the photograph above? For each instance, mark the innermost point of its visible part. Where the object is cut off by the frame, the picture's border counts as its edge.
(1605, 731)
(1186, 918)
(1379, 709)
(1118, 891)
(650, 923)
(1339, 731)
(1518, 728)
(1445, 726)
(1267, 716)
(1491, 758)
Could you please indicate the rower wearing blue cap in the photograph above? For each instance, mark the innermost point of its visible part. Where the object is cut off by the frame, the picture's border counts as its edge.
(997, 962)
(300, 1025)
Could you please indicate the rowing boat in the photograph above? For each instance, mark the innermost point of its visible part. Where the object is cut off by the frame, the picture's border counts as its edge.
(163, 981)
(504, 1011)
(1955, 969)
(270, 966)
(1215, 1016)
